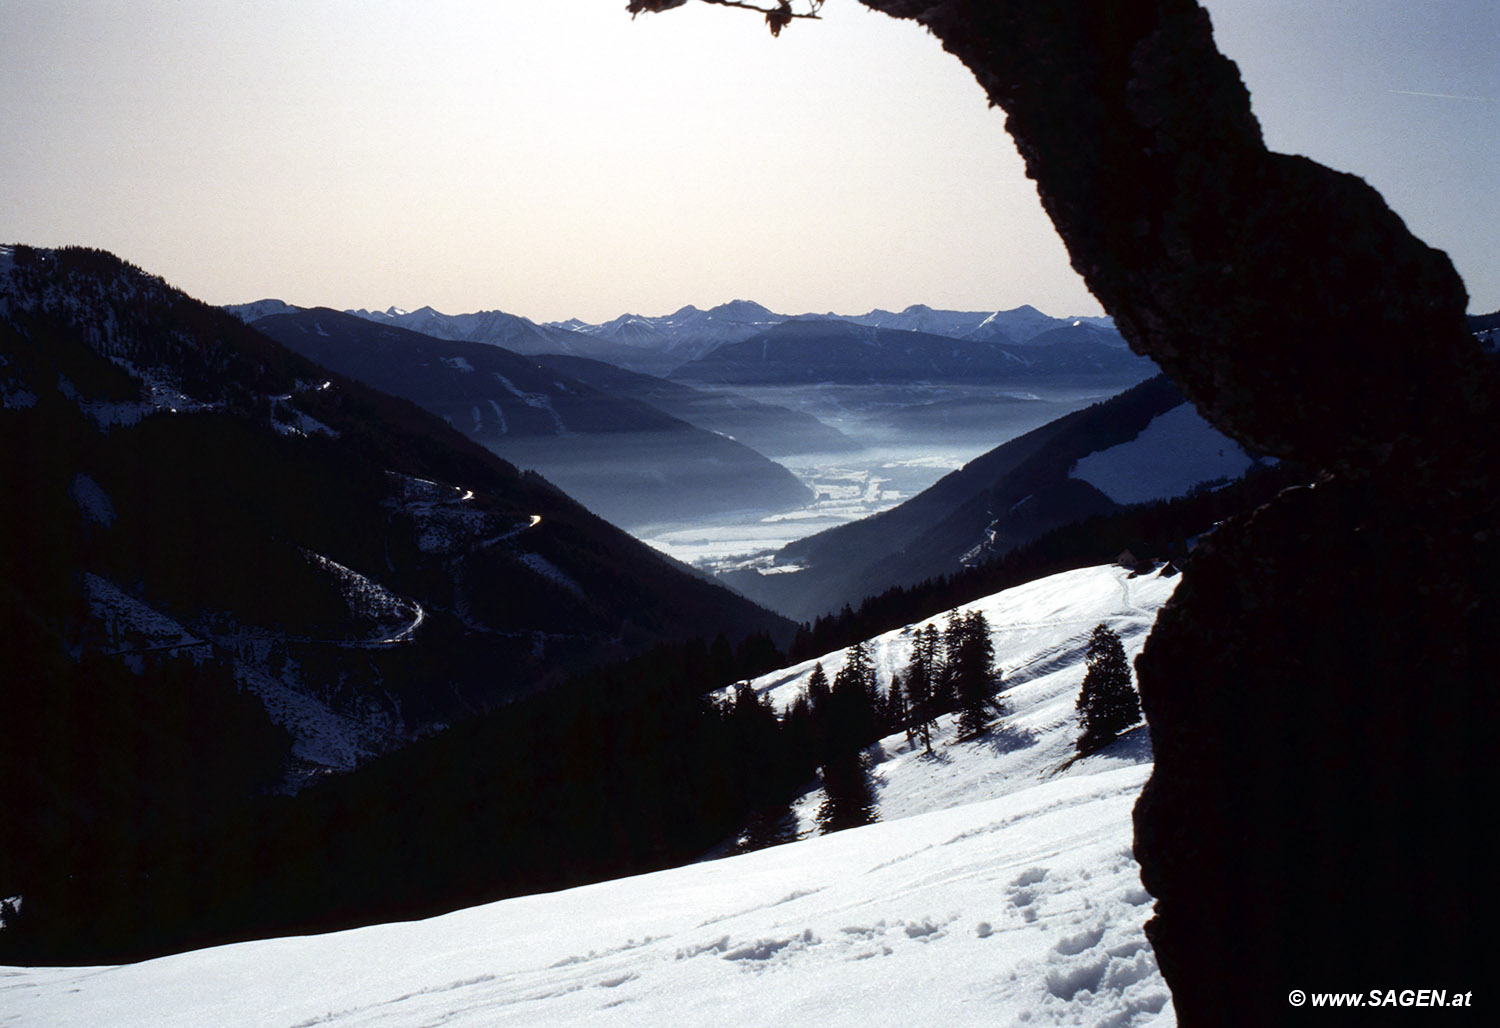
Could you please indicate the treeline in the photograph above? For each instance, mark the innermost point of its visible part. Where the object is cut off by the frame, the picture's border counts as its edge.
(1161, 529)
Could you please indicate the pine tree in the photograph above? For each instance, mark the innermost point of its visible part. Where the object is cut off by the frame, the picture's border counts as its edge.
(802, 747)
(820, 713)
(892, 708)
(1107, 703)
(945, 663)
(817, 689)
(921, 709)
(859, 669)
(849, 798)
(852, 723)
(974, 675)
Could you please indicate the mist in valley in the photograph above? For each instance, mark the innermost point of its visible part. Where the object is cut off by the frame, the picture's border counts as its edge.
(908, 436)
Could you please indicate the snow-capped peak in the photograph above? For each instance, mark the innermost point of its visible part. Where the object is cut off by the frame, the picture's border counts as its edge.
(254, 311)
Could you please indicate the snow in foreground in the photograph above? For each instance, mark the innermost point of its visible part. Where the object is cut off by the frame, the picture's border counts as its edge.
(995, 893)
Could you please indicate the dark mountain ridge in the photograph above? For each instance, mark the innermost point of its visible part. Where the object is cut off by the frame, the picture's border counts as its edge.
(230, 571)
(816, 350)
(623, 458)
(768, 428)
(181, 486)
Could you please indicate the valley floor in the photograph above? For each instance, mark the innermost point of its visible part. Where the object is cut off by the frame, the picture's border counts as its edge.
(999, 889)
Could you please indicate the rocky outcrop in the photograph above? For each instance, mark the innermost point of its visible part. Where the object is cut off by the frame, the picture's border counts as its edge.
(1319, 690)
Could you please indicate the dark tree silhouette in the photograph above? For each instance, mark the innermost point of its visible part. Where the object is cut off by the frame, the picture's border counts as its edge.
(852, 723)
(1107, 704)
(975, 679)
(921, 710)
(849, 798)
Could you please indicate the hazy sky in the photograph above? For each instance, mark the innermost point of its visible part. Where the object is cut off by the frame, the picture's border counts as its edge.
(554, 158)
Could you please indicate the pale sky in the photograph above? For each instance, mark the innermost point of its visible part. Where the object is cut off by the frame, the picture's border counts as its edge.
(554, 158)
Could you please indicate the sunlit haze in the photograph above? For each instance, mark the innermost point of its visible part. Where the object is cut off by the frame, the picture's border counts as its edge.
(554, 158)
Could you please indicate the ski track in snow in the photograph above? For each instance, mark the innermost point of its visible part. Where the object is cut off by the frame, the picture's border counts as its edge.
(995, 891)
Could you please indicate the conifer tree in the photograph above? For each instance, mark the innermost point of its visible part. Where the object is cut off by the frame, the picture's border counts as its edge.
(820, 713)
(852, 723)
(1107, 703)
(953, 634)
(849, 797)
(973, 673)
(801, 741)
(921, 709)
(859, 668)
(817, 689)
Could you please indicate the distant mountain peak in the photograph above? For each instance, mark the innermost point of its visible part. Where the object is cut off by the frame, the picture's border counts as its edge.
(742, 310)
(248, 312)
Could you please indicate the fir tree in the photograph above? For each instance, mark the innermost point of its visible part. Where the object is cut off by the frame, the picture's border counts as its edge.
(817, 689)
(859, 669)
(853, 719)
(973, 674)
(820, 716)
(921, 704)
(849, 797)
(892, 708)
(945, 661)
(1107, 703)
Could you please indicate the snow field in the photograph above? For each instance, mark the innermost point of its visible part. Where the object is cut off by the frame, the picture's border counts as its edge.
(1175, 452)
(995, 891)
(1040, 632)
(1018, 910)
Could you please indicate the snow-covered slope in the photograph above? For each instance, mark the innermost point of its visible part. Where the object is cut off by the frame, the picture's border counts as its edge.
(1040, 632)
(995, 891)
(1175, 452)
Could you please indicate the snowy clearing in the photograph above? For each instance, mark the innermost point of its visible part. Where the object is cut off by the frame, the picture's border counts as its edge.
(1175, 452)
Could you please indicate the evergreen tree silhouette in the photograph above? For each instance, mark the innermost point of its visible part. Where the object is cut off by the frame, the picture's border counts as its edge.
(975, 679)
(921, 706)
(1107, 703)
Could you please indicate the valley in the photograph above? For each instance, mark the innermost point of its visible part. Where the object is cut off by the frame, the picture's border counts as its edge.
(616, 413)
(903, 446)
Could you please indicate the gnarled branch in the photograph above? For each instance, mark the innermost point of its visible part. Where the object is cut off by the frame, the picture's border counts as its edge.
(777, 17)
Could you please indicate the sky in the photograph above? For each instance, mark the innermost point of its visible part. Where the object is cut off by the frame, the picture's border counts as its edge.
(557, 159)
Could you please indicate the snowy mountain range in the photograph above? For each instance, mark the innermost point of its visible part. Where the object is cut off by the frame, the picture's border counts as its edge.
(683, 335)
(997, 887)
(658, 344)
(691, 333)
